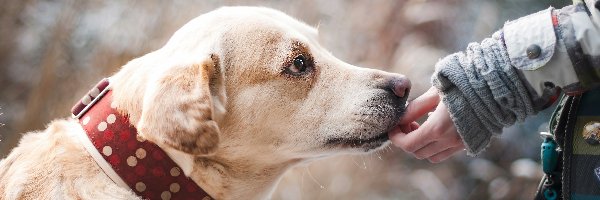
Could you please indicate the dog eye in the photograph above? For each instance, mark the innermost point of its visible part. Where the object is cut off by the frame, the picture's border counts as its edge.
(298, 66)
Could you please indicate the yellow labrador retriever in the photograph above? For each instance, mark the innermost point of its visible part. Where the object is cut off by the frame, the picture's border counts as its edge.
(235, 98)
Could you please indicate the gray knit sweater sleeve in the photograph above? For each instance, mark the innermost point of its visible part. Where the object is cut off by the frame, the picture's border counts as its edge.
(482, 91)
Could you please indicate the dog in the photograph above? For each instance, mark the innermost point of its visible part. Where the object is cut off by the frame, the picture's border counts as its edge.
(235, 98)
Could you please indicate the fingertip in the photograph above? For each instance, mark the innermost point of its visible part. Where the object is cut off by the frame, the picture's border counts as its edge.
(414, 126)
(444, 155)
(396, 130)
(418, 156)
(396, 138)
(421, 106)
(436, 160)
(408, 117)
(406, 128)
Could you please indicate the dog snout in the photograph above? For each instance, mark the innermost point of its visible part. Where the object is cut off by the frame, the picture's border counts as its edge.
(399, 85)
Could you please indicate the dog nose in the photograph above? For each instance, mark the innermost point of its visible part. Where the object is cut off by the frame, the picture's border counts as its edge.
(400, 85)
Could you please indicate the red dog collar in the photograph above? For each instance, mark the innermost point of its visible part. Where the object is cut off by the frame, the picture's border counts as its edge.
(141, 165)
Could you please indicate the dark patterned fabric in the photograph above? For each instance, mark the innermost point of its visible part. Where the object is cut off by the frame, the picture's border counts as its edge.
(584, 169)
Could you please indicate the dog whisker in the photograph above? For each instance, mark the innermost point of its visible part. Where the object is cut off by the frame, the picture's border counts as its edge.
(378, 154)
(363, 162)
(302, 181)
(314, 179)
(390, 148)
(1, 124)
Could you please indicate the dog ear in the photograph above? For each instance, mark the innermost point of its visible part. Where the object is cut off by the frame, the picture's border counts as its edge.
(178, 109)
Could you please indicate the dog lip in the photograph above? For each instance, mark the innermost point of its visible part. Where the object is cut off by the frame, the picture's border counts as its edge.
(369, 143)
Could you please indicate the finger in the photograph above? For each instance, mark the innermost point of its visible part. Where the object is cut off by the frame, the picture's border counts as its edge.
(403, 129)
(437, 158)
(446, 141)
(410, 127)
(436, 147)
(414, 126)
(445, 136)
(414, 141)
(399, 129)
(421, 106)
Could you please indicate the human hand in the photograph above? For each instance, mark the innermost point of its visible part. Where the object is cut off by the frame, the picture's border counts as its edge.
(436, 139)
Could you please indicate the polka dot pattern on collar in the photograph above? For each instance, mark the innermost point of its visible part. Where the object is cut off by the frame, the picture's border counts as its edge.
(144, 166)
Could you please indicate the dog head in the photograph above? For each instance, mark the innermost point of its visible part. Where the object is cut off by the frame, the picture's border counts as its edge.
(256, 81)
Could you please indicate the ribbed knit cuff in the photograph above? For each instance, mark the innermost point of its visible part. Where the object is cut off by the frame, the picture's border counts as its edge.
(482, 91)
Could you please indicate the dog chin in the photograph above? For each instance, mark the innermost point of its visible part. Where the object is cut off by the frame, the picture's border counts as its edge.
(367, 138)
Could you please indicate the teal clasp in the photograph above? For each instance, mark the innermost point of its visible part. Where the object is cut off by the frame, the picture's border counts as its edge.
(550, 194)
(549, 153)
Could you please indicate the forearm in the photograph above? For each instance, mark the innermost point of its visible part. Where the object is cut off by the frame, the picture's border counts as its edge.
(517, 71)
(482, 91)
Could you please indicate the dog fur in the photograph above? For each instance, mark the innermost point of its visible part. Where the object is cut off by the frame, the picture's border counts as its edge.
(220, 100)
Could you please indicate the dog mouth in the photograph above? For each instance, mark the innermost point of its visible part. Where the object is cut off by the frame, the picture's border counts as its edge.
(366, 144)
(373, 121)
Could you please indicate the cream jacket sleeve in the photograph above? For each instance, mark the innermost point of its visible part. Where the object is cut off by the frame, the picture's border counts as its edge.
(557, 47)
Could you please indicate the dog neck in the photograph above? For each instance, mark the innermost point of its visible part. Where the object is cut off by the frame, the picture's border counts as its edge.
(226, 176)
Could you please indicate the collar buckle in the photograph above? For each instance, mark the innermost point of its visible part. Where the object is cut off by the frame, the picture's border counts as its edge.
(89, 99)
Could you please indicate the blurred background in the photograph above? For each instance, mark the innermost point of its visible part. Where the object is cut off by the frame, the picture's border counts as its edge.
(53, 51)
